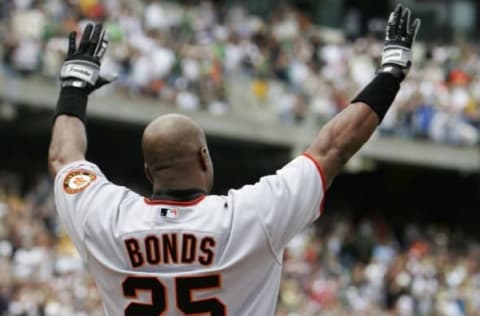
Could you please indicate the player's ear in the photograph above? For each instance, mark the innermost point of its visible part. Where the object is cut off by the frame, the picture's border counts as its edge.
(148, 174)
(204, 157)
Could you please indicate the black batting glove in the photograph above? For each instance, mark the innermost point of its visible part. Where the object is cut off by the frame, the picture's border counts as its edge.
(399, 38)
(81, 68)
(80, 74)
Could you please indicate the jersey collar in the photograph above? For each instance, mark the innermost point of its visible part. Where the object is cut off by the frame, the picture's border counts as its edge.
(177, 197)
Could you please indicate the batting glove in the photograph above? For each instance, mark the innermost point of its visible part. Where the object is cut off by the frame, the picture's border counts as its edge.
(81, 68)
(399, 38)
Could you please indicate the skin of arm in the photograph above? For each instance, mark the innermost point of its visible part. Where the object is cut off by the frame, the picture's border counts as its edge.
(342, 137)
(69, 138)
(68, 143)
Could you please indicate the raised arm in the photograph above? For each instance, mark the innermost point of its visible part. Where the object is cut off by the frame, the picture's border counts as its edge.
(68, 143)
(343, 136)
(79, 77)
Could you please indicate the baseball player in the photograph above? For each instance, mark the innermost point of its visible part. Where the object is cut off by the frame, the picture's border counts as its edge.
(182, 251)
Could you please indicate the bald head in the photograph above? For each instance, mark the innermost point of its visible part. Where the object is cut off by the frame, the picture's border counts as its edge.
(176, 154)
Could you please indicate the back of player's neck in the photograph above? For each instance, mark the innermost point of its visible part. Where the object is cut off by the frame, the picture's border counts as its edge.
(178, 194)
(177, 179)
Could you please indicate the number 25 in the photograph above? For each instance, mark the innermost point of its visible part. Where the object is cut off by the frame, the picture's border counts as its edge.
(184, 287)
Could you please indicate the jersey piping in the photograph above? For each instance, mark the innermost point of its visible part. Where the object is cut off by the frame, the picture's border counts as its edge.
(179, 203)
(322, 176)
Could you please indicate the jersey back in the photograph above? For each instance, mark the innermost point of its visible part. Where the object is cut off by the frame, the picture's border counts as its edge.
(214, 255)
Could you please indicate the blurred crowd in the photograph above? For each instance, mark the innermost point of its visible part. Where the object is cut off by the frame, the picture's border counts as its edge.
(365, 267)
(340, 266)
(208, 57)
(40, 270)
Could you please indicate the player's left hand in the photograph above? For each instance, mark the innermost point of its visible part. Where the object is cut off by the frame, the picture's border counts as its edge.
(81, 68)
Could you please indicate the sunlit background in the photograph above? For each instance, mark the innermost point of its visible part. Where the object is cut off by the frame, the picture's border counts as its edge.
(399, 235)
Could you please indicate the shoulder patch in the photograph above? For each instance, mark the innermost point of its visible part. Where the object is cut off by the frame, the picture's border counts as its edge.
(78, 180)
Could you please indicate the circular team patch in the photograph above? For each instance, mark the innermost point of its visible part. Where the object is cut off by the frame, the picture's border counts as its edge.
(78, 180)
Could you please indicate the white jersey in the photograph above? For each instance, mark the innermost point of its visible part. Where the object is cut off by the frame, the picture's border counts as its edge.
(215, 255)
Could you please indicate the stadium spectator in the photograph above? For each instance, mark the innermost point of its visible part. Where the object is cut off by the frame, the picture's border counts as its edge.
(206, 57)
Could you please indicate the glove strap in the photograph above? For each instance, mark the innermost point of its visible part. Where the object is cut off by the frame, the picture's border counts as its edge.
(80, 69)
(73, 102)
(397, 55)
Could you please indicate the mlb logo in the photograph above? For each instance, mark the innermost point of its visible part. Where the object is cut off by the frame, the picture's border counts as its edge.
(169, 212)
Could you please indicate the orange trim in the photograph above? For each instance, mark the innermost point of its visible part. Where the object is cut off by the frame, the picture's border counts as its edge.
(179, 203)
(214, 287)
(322, 176)
(201, 257)
(135, 295)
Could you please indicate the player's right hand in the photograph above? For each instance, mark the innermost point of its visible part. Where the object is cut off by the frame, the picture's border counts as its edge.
(399, 38)
(81, 68)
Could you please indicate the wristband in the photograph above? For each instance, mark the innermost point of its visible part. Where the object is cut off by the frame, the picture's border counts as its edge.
(72, 101)
(380, 93)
